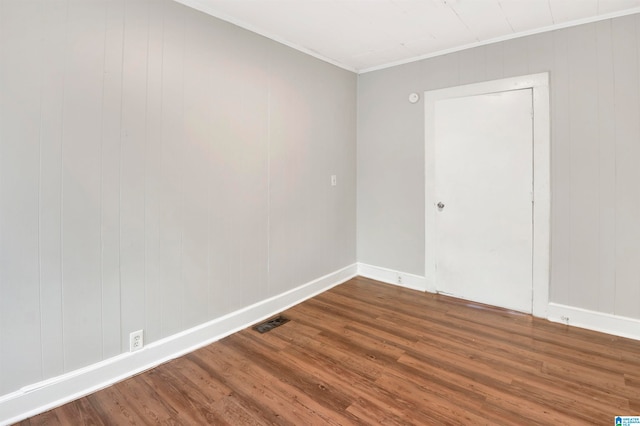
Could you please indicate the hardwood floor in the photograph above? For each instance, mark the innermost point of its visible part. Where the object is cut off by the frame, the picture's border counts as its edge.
(366, 353)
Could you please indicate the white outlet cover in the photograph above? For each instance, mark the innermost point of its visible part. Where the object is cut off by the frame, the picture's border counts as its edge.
(136, 340)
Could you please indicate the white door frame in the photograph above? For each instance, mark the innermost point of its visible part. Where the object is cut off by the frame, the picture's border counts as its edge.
(539, 83)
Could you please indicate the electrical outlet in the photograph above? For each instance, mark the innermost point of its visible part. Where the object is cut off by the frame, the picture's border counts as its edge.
(136, 341)
(334, 180)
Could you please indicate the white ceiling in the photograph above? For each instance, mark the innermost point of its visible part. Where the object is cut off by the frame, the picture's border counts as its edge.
(364, 35)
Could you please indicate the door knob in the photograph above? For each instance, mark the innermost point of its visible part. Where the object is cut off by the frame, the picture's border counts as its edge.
(440, 205)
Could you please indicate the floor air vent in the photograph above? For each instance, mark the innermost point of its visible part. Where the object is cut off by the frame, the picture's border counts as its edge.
(270, 324)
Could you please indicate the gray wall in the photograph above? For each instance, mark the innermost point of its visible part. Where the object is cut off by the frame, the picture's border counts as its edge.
(595, 157)
(158, 169)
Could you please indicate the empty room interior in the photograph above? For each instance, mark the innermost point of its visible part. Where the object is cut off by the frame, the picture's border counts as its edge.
(319, 212)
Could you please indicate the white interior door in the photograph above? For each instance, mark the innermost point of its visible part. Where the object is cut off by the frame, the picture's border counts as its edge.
(483, 196)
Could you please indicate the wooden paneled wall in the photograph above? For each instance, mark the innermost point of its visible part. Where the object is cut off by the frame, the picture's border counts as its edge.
(595, 143)
(159, 168)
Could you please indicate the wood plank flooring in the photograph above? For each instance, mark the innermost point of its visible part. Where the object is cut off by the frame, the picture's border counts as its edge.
(368, 353)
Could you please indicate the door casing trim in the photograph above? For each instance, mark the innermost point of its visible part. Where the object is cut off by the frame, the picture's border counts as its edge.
(539, 83)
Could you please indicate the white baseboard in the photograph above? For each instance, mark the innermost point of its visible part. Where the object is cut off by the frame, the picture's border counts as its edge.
(390, 276)
(593, 320)
(51, 393)
(577, 317)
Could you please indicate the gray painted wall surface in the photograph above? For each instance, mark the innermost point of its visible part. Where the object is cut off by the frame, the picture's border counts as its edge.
(158, 169)
(595, 153)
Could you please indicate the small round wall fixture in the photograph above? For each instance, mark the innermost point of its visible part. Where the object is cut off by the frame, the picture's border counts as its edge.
(414, 97)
